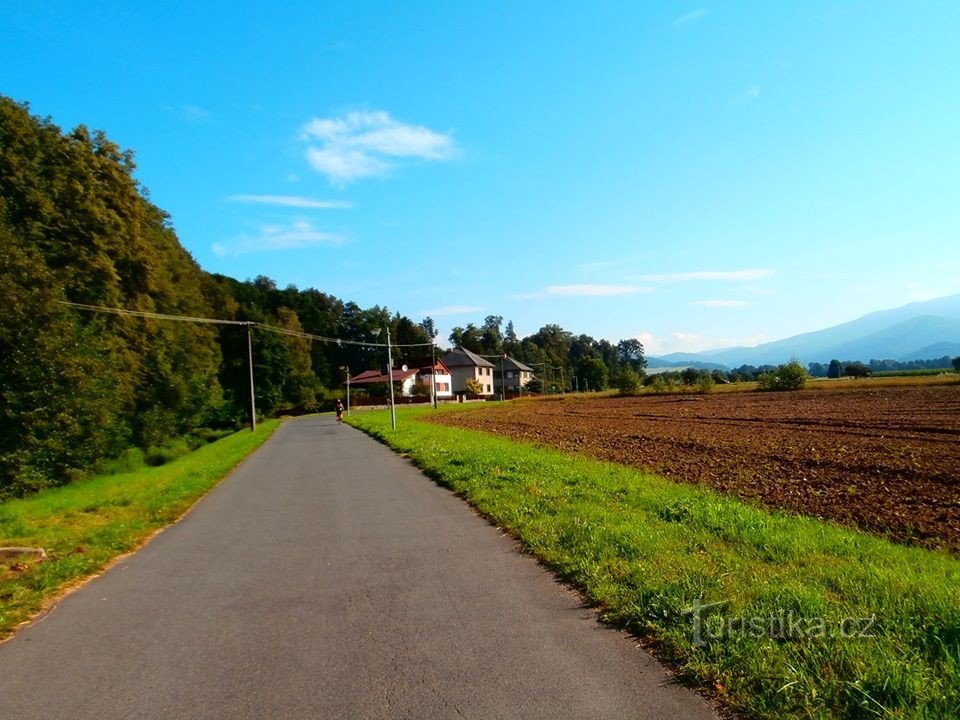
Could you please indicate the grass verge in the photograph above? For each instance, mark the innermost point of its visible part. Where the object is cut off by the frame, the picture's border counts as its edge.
(782, 616)
(85, 525)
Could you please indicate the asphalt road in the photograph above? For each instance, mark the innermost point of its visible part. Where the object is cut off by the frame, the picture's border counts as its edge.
(328, 578)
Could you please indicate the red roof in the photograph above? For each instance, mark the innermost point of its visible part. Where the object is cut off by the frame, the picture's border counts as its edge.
(369, 377)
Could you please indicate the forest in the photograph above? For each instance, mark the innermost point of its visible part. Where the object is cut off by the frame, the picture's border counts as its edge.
(79, 387)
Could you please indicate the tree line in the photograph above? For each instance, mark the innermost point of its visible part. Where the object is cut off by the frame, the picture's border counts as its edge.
(562, 360)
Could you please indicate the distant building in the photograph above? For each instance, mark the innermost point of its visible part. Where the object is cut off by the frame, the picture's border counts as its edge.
(465, 365)
(511, 374)
(419, 372)
(439, 374)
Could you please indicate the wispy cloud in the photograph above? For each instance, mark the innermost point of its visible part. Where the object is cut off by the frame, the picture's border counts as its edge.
(729, 275)
(365, 144)
(195, 114)
(596, 290)
(752, 92)
(292, 236)
(590, 290)
(695, 342)
(690, 17)
(451, 310)
(288, 201)
(721, 303)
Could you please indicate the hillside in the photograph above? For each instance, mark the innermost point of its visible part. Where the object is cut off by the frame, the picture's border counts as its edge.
(904, 333)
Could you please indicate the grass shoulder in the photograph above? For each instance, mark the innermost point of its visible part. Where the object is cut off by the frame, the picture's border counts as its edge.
(783, 616)
(83, 526)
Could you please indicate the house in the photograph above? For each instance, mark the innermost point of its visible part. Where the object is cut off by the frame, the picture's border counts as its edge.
(406, 379)
(511, 375)
(438, 373)
(465, 365)
(418, 372)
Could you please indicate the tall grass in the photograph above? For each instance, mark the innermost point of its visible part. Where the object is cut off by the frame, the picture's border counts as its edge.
(810, 620)
(84, 525)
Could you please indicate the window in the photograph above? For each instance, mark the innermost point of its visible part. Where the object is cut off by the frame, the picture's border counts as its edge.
(443, 387)
(488, 389)
(510, 374)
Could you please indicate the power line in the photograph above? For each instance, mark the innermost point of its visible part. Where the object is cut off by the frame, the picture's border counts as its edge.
(151, 315)
(217, 321)
(338, 341)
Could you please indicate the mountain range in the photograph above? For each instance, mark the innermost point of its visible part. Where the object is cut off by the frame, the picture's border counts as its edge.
(918, 331)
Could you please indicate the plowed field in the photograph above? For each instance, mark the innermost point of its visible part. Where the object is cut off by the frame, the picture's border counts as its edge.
(884, 460)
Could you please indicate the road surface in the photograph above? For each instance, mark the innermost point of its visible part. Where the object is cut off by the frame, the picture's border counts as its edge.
(327, 578)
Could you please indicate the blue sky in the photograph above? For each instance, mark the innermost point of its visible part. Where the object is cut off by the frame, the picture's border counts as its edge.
(696, 175)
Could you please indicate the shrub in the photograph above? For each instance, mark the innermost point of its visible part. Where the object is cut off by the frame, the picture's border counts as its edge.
(705, 382)
(629, 382)
(421, 390)
(789, 376)
(157, 456)
(473, 387)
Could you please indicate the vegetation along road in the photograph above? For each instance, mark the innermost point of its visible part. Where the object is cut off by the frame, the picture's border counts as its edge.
(326, 577)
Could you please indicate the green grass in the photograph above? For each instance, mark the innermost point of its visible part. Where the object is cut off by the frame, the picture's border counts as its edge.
(86, 524)
(647, 550)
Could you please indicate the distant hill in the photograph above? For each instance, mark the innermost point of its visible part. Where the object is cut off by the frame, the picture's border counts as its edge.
(937, 350)
(920, 330)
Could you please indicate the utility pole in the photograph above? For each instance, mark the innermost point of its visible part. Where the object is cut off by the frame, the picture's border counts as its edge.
(503, 384)
(393, 409)
(433, 371)
(253, 402)
(347, 368)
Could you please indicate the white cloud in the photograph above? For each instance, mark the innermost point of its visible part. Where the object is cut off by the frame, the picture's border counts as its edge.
(451, 310)
(690, 17)
(295, 235)
(739, 275)
(652, 345)
(687, 342)
(595, 290)
(288, 201)
(364, 144)
(721, 303)
(695, 342)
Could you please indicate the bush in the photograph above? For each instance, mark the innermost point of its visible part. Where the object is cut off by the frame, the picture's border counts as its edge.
(129, 460)
(629, 382)
(473, 387)
(157, 456)
(789, 376)
(705, 382)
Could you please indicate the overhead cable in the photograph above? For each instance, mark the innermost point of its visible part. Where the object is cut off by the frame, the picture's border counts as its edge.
(216, 321)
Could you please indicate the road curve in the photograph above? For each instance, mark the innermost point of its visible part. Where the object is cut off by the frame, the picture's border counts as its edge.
(328, 578)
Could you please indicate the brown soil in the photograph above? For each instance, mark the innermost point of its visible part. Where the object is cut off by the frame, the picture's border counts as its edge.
(885, 460)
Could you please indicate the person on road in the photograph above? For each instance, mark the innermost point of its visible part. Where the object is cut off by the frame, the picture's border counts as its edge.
(339, 409)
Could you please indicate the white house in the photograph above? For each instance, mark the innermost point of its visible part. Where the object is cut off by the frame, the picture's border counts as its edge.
(408, 376)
